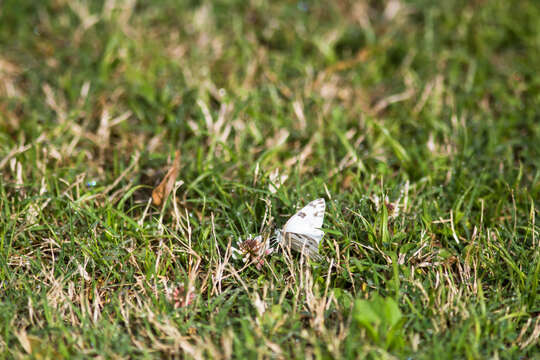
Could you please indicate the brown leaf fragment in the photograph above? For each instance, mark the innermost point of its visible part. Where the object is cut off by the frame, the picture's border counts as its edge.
(162, 191)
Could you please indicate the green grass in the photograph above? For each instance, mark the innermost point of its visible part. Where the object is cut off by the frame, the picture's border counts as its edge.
(433, 104)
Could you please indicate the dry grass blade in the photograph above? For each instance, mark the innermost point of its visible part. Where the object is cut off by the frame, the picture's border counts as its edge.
(160, 193)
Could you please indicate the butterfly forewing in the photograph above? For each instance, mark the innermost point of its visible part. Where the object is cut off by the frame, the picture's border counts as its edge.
(308, 220)
(303, 232)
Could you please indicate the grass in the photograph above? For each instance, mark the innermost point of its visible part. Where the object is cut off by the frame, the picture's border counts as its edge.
(434, 105)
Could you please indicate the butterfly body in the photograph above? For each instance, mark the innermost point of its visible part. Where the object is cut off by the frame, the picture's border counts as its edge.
(302, 231)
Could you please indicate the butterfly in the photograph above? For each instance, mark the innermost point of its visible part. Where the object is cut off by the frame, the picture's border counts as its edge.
(302, 231)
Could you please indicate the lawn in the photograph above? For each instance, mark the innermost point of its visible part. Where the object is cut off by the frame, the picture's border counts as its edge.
(417, 121)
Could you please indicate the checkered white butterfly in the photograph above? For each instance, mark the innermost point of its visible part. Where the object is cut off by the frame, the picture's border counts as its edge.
(302, 231)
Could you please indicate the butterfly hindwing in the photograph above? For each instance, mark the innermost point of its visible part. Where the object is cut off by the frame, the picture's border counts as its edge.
(303, 244)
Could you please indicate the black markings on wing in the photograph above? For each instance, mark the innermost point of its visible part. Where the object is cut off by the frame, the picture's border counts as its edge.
(308, 220)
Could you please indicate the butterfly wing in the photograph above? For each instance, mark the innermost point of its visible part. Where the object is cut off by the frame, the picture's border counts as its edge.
(303, 244)
(308, 220)
(303, 229)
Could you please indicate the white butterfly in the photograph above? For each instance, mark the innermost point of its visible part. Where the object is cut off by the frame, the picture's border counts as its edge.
(302, 231)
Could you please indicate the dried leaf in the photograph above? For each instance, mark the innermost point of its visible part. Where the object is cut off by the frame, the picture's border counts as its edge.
(162, 191)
